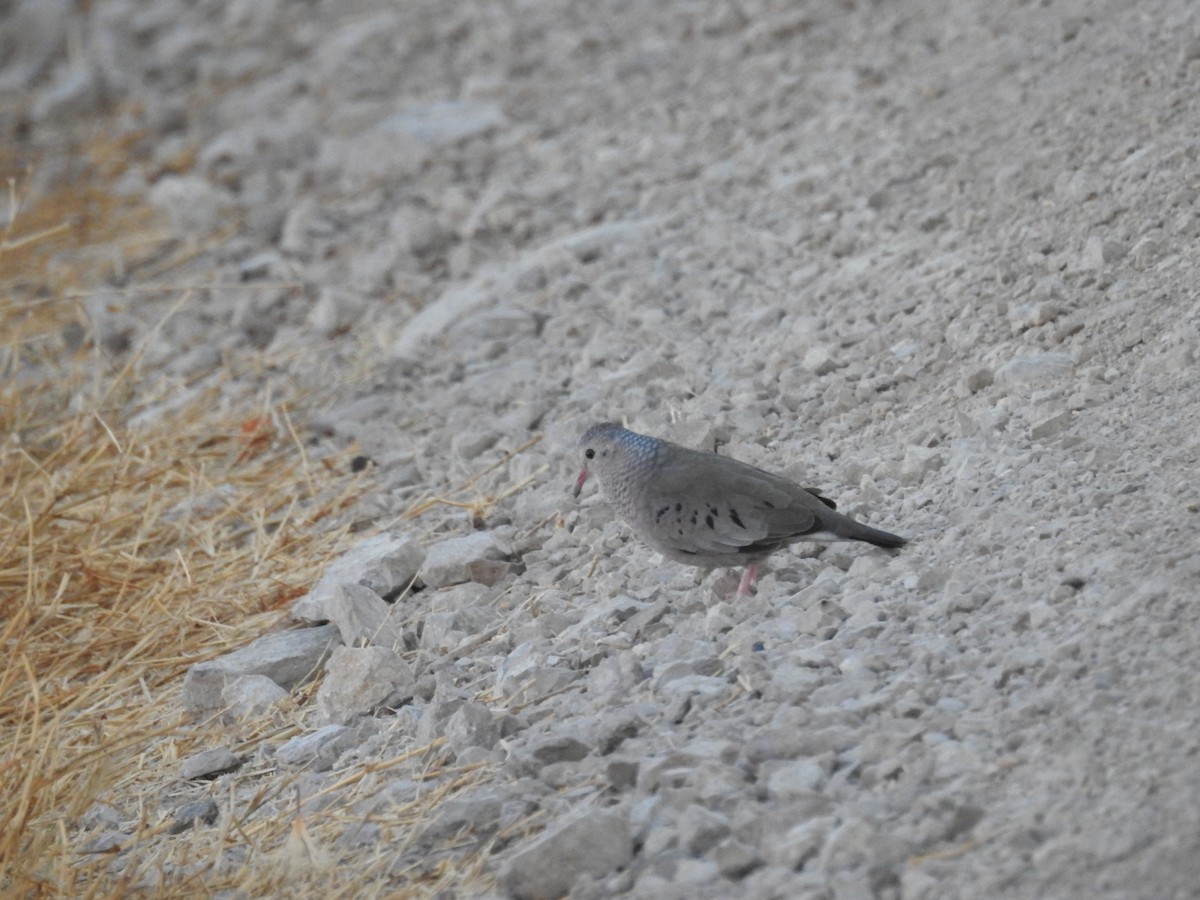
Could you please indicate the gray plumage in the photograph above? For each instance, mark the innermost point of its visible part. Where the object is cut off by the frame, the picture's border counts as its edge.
(708, 510)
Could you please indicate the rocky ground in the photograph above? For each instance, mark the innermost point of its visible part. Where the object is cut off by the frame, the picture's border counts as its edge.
(937, 259)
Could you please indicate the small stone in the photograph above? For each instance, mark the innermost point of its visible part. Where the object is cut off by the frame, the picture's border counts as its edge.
(251, 695)
(362, 679)
(794, 779)
(441, 631)
(522, 659)
(1062, 592)
(1022, 371)
(373, 156)
(854, 843)
(193, 205)
(700, 829)
(614, 678)
(469, 444)
(100, 815)
(334, 311)
(262, 265)
(697, 690)
(434, 717)
(695, 872)
(107, 842)
(317, 750)
(735, 860)
(471, 725)
(1031, 315)
(445, 124)
(448, 562)
(286, 658)
(919, 885)
(1051, 425)
(1076, 187)
(560, 748)
(978, 380)
(208, 764)
(1135, 331)
(641, 622)
(919, 462)
(1098, 253)
(385, 563)
(796, 846)
(363, 619)
(1041, 615)
(775, 742)
(527, 674)
(477, 812)
(490, 572)
(196, 361)
(622, 773)
(44, 27)
(1147, 252)
(596, 843)
(301, 224)
(417, 230)
(818, 361)
(1169, 362)
(954, 758)
(204, 811)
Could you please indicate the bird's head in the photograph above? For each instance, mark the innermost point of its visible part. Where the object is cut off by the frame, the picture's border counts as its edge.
(607, 448)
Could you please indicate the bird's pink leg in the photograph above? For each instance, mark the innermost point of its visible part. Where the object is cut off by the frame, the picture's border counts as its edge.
(749, 577)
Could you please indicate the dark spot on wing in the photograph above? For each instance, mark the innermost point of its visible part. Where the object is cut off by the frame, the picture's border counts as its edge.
(768, 504)
(662, 512)
(695, 512)
(736, 520)
(678, 507)
(708, 520)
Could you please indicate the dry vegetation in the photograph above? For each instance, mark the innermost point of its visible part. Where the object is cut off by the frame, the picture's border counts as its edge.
(126, 554)
(139, 534)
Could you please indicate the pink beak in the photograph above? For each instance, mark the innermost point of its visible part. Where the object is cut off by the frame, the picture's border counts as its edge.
(579, 481)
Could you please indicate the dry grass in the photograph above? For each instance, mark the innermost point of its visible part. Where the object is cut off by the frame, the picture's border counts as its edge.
(144, 528)
(125, 555)
(128, 552)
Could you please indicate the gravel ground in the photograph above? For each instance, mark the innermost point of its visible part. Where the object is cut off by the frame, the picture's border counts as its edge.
(937, 259)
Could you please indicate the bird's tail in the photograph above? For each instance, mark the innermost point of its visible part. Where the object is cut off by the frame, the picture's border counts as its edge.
(856, 531)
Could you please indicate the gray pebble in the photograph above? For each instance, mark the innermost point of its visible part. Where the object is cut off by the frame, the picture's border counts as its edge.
(203, 811)
(448, 562)
(251, 695)
(317, 750)
(595, 843)
(360, 680)
(209, 764)
(471, 725)
(363, 619)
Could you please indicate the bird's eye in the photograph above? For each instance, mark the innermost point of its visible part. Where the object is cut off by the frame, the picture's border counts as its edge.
(589, 453)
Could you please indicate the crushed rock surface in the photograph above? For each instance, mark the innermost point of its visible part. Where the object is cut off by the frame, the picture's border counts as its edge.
(936, 259)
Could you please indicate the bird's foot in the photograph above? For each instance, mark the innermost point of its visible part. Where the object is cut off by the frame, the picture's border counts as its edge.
(749, 578)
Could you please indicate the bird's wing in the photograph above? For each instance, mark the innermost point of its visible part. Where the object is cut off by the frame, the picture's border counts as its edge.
(701, 502)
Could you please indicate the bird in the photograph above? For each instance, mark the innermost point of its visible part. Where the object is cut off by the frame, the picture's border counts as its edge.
(707, 510)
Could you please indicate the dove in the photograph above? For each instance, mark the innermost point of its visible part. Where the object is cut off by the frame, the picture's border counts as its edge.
(707, 510)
